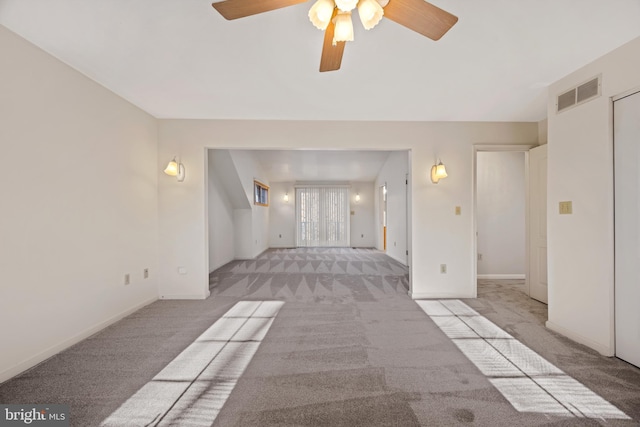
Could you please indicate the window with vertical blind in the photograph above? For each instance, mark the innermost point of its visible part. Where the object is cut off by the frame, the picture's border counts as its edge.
(322, 216)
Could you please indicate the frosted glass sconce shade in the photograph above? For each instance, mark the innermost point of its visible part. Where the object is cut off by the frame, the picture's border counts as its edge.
(176, 169)
(438, 172)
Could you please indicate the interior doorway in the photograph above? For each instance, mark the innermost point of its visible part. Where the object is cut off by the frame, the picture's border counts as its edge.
(383, 215)
(501, 214)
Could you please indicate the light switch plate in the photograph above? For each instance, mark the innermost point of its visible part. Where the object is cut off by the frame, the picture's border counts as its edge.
(566, 208)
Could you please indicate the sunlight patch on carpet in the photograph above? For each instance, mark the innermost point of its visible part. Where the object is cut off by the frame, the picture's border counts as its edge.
(192, 389)
(528, 381)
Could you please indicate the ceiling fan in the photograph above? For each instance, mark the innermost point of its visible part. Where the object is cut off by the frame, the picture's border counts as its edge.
(334, 17)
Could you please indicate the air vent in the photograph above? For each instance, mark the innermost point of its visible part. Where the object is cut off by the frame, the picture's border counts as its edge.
(566, 100)
(589, 90)
(579, 94)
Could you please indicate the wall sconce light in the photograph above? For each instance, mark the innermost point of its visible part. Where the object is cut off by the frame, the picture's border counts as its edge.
(176, 169)
(357, 197)
(438, 172)
(286, 197)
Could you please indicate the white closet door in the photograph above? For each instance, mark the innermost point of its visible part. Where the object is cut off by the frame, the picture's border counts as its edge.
(627, 227)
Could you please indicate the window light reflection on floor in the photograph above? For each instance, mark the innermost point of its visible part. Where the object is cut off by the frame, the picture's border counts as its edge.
(193, 387)
(528, 381)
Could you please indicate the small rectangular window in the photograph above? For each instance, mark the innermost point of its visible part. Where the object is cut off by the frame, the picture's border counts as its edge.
(260, 194)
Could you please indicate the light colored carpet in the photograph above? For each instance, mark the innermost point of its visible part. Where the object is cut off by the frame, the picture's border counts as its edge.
(354, 350)
(316, 274)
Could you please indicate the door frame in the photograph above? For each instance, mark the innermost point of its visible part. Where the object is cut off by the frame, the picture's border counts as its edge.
(523, 148)
(614, 305)
(382, 214)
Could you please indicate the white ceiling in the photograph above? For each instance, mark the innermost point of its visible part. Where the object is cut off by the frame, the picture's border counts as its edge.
(313, 165)
(181, 59)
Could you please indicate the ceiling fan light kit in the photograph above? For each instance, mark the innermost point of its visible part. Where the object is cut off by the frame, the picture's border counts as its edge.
(370, 12)
(334, 18)
(346, 5)
(344, 28)
(320, 13)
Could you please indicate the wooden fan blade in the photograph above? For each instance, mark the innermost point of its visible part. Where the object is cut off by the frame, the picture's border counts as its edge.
(331, 55)
(420, 16)
(234, 9)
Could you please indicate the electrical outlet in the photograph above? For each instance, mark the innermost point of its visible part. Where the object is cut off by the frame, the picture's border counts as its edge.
(361, 236)
(458, 210)
(127, 279)
(145, 273)
(280, 236)
(443, 268)
(479, 257)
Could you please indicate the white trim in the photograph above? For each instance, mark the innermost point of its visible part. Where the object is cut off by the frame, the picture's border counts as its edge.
(474, 205)
(625, 94)
(186, 296)
(250, 258)
(498, 147)
(53, 350)
(437, 295)
(502, 276)
(401, 261)
(527, 222)
(322, 185)
(611, 291)
(602, 349)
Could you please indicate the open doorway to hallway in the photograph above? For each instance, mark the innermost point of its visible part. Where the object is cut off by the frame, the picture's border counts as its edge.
(510, 218)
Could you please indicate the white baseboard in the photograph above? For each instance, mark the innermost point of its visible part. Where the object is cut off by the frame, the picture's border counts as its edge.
(602, 349)
(437, 295)
(502, 276)
(215, 267)
(185, 296)
(401, 261)
(52, 351)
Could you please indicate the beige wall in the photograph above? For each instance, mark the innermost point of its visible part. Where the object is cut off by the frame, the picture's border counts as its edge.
(79, 206)
(543, 132)
(182, 208)
(581, 170)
